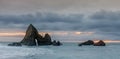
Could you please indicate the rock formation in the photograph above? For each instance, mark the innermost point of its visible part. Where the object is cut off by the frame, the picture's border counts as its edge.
(32, 36)
(45, 41)
(56, 43)
(15, 44)
(100, 43)
(89, 42)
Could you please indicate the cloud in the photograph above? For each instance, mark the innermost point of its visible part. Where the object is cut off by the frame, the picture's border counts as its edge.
(62, 6)
(63, 15)
(45, 21)
(106, 21)
(101, 21)
(104, 24)
(26, 6)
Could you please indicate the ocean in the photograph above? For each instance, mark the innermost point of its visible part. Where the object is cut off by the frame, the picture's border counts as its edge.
(66, 51)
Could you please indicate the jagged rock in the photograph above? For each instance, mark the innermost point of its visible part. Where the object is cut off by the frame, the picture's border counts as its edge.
(89, 42)
(15, 44)
(54, 42)
(58, 43)
(45, 41)
(100, 43)
(32, 36)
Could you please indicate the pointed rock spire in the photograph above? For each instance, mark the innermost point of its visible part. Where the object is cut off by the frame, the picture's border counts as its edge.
(33, 38)
(31, 28)
(30, 36)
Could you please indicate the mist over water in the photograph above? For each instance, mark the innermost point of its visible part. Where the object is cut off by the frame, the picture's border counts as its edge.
(66, 51)
(69, 50)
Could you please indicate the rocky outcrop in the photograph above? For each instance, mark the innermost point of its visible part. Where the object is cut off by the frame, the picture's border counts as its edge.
(56, 43)
(89, 42)
(30, 36)
(15, 44)
(100, 43)
(46, 40)
(33, 38)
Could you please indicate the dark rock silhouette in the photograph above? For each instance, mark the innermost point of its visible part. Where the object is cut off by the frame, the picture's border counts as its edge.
(32, 36)
(89, 42)
(56, 43)
(100, 43)
(45, 41)
(80, 44)
(15, 44)
(59, 43)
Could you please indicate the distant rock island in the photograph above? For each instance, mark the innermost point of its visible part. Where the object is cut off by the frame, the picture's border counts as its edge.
(33, 38)
(90, 42)
(100, 43)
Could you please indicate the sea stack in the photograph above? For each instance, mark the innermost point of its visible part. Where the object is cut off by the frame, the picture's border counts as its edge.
(46, 40)
(56, 43)
(32, 37)
(89, 42)
(100, 43)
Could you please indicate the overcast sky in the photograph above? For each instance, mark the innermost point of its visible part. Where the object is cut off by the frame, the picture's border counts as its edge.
(64, 6)
(102, 17)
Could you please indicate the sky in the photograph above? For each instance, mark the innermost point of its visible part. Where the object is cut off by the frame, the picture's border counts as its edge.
(65, 20)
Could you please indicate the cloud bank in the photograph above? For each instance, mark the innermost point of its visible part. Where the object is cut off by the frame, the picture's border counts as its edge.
(104, 21)
(104, 24)
(61, 6)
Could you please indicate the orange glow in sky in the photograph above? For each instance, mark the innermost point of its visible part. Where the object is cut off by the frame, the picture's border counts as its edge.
(108, 41)
(79, 33)
(43, 33)
(12, 34)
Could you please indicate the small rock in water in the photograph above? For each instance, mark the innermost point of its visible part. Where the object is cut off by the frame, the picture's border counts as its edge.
(89, 42)
(58, 43)
(100, 43)
(15, 44)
